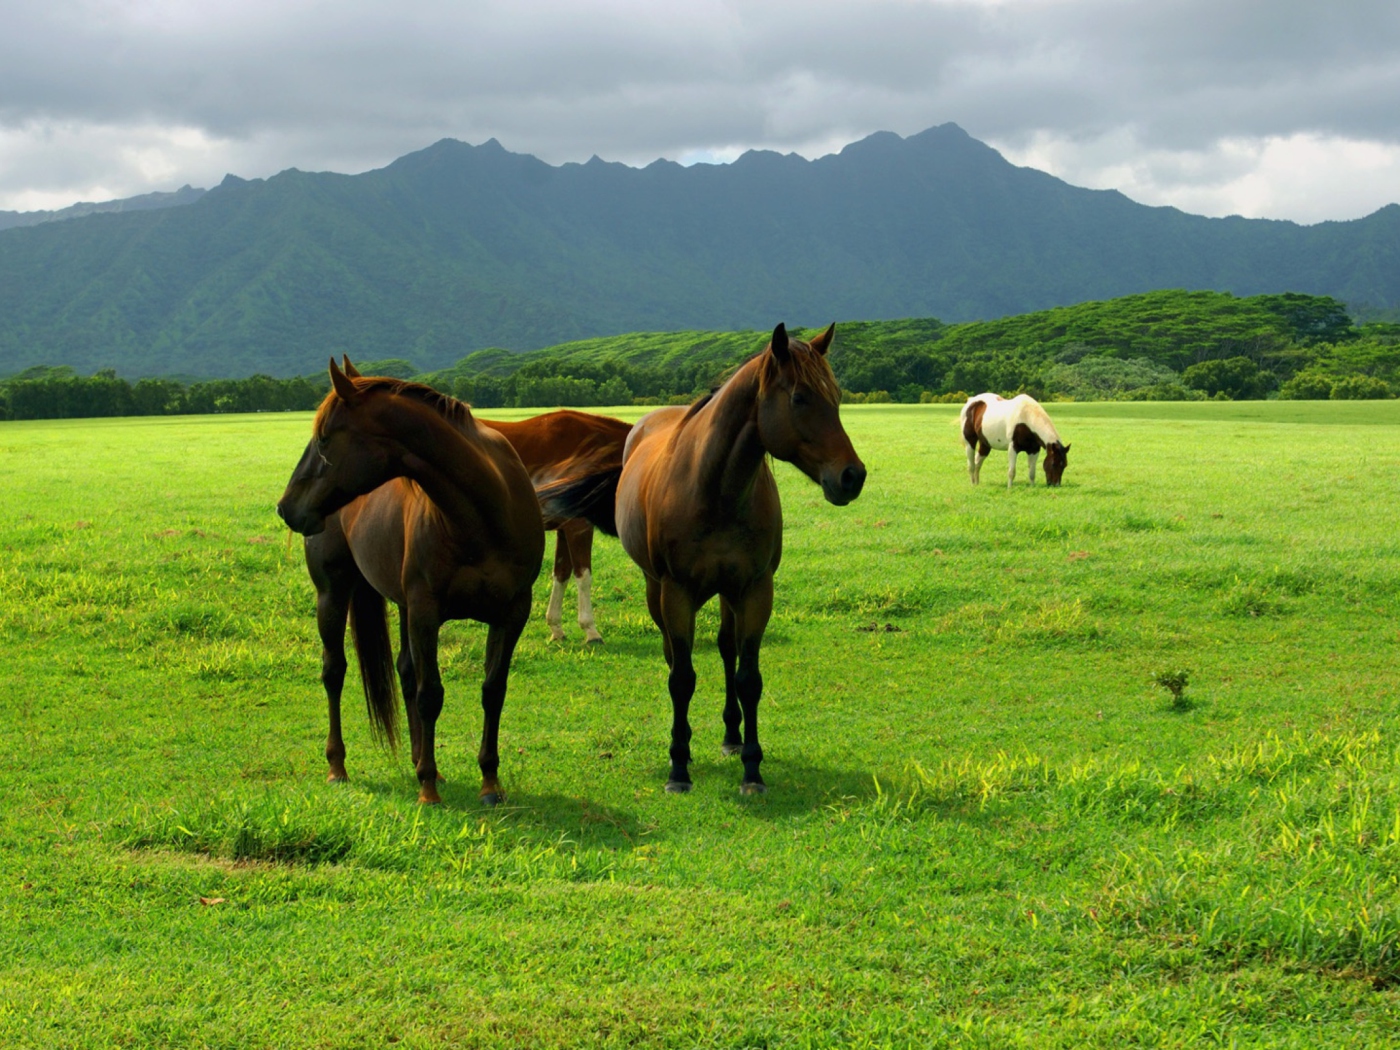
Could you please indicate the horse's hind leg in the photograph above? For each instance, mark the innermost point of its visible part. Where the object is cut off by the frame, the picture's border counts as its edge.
(500, 647)
(554, 612)
(983, 451)
(408, 687)
(972, 462)
(729, 653)
(751, 620)
(579, 535)
(678, 614)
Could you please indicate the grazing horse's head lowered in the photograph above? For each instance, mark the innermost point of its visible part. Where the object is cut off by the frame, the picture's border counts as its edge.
(799, 415)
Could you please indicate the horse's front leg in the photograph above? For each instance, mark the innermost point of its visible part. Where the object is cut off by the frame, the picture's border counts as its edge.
(554, 612)
(332, 610)
(500, 647)
(423, 626)
(678, 616)
(751, 619)
(729, 653)
(1030, 466)
(1010, 465)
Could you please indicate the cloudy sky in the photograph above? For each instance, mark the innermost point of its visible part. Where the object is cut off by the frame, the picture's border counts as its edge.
(1277, 108)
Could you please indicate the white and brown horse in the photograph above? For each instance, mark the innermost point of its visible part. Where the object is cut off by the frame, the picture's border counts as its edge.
(1017, 425)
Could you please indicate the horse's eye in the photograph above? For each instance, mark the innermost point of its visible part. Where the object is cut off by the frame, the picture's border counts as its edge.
(799, 398)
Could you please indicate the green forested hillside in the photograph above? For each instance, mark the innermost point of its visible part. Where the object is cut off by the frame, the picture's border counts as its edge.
(458, 248)
(1170, 345)
(1163, 345)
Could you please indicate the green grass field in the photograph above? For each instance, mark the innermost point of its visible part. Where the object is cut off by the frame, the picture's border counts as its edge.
(985, 825)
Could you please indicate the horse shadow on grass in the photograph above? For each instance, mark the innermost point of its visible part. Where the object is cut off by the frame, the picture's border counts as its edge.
(531, 818)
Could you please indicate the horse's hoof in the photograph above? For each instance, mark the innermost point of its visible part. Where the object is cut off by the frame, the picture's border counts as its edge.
(753, 787)
(678, 787)
(428, 796)
(336, 778)
(730, 749)
(593, 641)
(492, 798)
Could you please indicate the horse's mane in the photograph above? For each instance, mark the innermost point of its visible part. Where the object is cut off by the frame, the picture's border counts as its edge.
(1039, 421)
(807, 365)
(456, 412)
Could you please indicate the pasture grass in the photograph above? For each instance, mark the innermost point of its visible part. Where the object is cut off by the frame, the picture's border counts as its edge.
(987, 826)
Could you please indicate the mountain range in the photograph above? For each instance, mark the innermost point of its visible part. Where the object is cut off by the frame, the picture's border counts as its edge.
(456, 248)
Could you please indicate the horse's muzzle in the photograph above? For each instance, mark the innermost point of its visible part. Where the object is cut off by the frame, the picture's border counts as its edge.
(845, 486)
(301, 522)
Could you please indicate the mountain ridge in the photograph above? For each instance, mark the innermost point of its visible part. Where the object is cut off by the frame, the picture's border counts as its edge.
(455, 248)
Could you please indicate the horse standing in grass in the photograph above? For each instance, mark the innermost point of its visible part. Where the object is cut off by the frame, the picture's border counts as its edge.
(697, 509)
(1019, 425)
(544, 443)
(402, 495)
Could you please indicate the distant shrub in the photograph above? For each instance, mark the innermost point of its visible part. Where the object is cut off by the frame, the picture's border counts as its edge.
(957, 397)
(874, 397)
(1237, 378)
(1307, 386)
(1102, 378)
(1164, 392)
(1360, 388)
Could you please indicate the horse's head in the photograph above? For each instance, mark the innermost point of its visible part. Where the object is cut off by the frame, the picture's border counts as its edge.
(1056, 459)
(799, 419)
(351, 453)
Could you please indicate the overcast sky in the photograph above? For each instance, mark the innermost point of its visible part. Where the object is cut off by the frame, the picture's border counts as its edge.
(1277, 108)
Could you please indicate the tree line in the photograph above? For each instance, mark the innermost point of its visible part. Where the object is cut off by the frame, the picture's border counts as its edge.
(1171, 345)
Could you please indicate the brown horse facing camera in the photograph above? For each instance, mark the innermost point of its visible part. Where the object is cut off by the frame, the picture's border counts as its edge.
(403, 496)
(698, 510)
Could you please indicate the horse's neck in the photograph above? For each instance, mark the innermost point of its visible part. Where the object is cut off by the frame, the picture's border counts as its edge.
(730, 449)
(1038, 421)
(454, 470)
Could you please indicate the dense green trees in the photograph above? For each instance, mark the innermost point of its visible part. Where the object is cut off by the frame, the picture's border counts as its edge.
(1168, 345)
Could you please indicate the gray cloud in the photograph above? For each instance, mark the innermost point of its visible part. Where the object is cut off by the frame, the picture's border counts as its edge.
(349, 85)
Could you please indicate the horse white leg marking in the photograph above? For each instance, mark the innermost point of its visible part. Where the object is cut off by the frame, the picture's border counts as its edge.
(972, 463)
(554, 614)
(1030, 466)
(585, 607)
(1010, 466)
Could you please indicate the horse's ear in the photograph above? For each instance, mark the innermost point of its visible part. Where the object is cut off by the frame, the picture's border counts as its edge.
(822, 343)
(1066, 450)
(350, 370)
(780, 344)
(343, 386)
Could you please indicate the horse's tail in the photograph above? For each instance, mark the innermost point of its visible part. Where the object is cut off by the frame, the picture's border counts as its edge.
(591, 494)
(369, 627)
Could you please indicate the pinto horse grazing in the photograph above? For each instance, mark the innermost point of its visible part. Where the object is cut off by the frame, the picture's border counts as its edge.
(402, 495)
(545, 444)
(1019, 425)
(698, 511)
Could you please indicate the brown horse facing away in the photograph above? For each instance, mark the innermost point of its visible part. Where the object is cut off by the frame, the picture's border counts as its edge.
(558, 441)
(401, 495)
(698, 510)
(545, 444)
